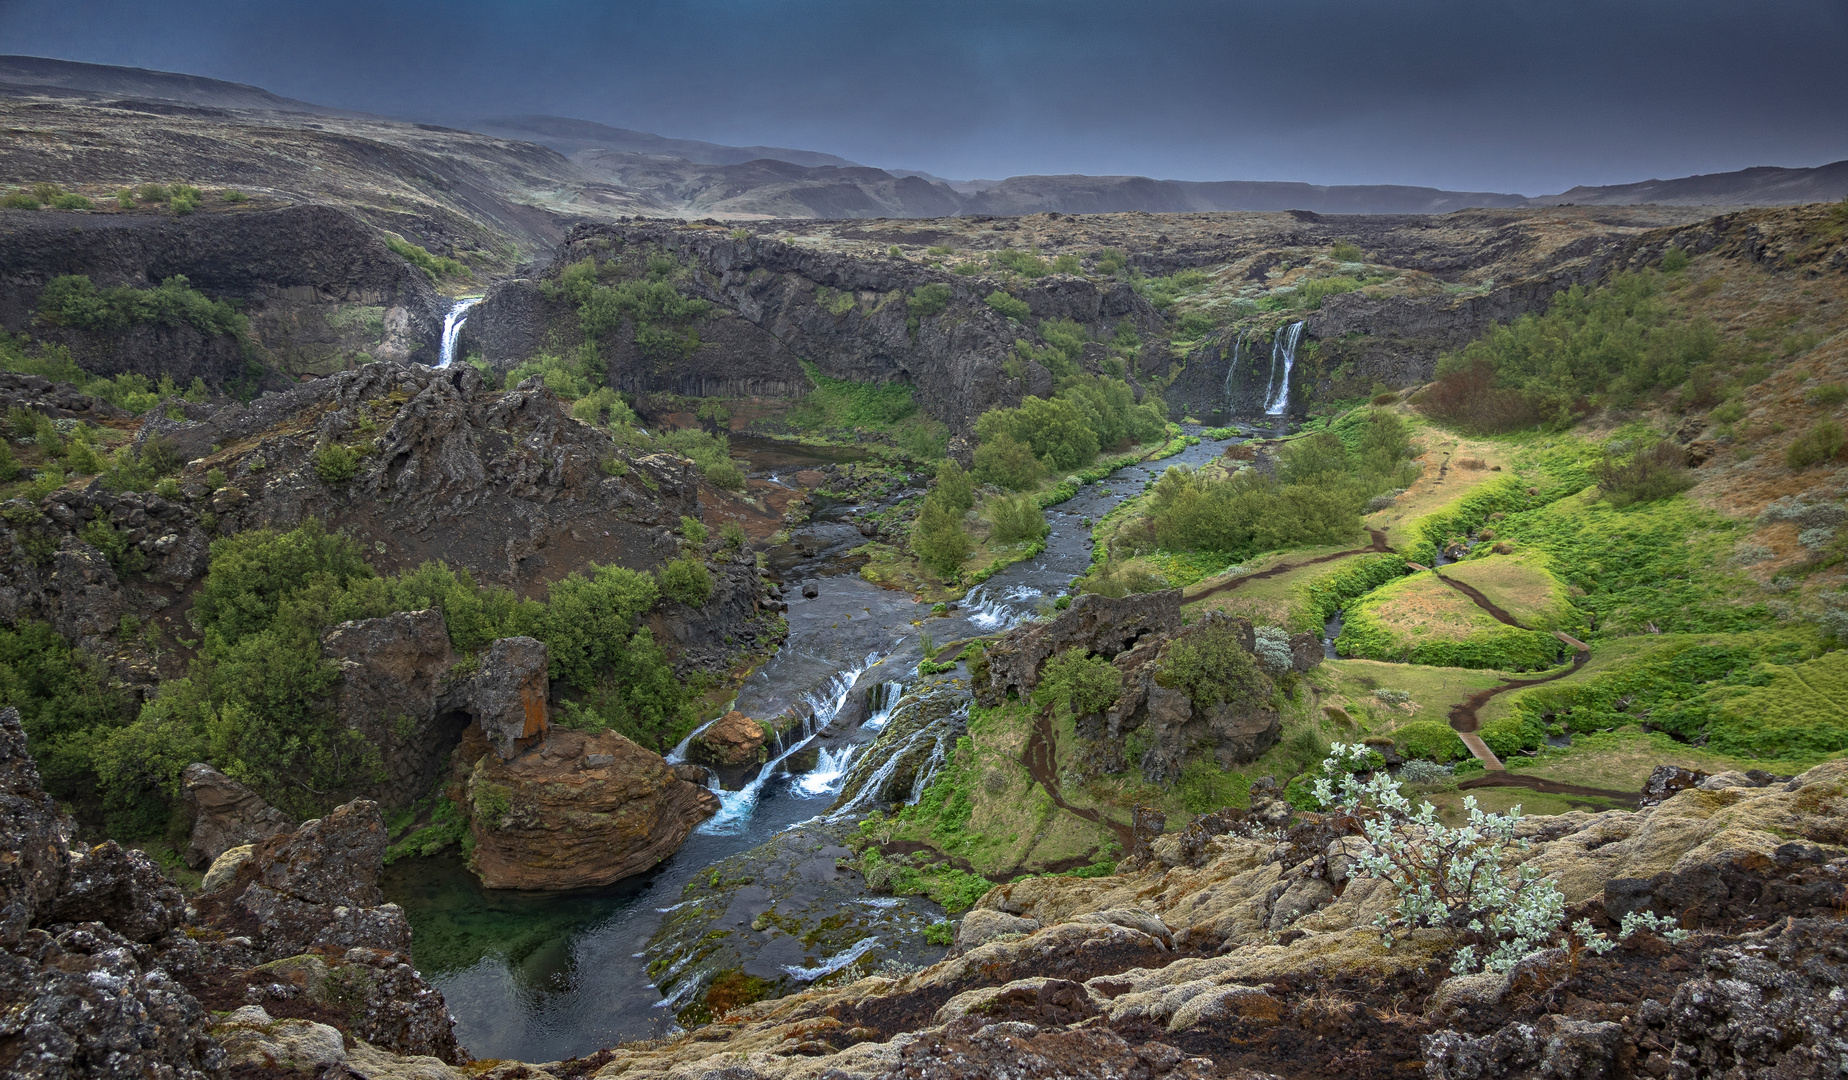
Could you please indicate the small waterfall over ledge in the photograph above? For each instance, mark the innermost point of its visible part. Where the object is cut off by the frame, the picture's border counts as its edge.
(1283, 349)
(452, 328)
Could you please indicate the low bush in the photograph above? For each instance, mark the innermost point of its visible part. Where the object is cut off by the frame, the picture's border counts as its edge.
(435, 267)
(335, 464)
(954, 486)
(1009, 306)
(1822, 442)
(1429, 740)
(73, 300)
(685, 580)
(1006, 462)
(938, 538)
(1075, 683)
(1212, 666)
(1653, 471)
(1017, 518)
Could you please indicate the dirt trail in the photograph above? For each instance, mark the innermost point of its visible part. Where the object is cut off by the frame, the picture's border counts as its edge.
(1379, 545)
(1041, 760)
(1550, 787)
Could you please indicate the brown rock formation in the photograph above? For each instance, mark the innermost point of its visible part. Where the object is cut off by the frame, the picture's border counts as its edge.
(578, 810)
(225, 814)
(508, 694)
(733, 740)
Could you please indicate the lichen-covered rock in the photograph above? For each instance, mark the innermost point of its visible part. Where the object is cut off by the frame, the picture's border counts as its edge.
(1100, 624)
(223, 870)
(1768, 1007)
(83, 1004)
(982, 925)
(1557, 1048)
(34, 834)
(254, 1039)
(225, 814)
(578, 810)
(122, 889)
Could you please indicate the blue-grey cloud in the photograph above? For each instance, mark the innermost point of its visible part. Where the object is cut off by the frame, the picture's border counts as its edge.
(1525, 96)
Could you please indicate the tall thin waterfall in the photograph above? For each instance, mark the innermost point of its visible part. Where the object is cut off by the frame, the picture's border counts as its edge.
(1283, 347)
(1238, 345)
(452, 328)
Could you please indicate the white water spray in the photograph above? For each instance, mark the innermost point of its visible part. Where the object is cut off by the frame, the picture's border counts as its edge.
(1238, 345)
(990, 612)
(736, 807)
(1283, 347)
(452, 328)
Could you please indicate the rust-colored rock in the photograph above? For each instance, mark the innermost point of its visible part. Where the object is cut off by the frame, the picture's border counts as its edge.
(733, 739)
(578, 810)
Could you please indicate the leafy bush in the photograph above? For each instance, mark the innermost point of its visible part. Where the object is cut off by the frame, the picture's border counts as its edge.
(1204, 787)
(1674, 260)
(1010, 306)
(940, 933)
(693, 530)
(1429, 740)
(73, 300)
(603, 406)
(928, 300)
(183, 198)
(1310, 294)
(1345, 252)
(1653, 471)
(685, 580)
(661, 315)
(1609, 345)
(1459, 879)
(1827, 395)
(1820, 443)
(72, 202)
(1075, 683)
(335, 464)
(1024, 263)
(1212, 666)
(435, 267)
(938, 538)
(1016, 518)
(712, 453)
(954, 486)
(1109, 262)
(1006, 462)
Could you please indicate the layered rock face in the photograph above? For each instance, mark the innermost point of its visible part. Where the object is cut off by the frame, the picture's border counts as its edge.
(578, 810)
(303, 272)
(732, 741)
(769, 317)
(225, 814)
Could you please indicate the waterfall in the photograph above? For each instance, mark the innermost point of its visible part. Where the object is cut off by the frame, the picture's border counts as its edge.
(825, 778)
(735, 807)
(452, 328)
(881, 700)
(988, 612)
(1283, 347)
(1238, 345)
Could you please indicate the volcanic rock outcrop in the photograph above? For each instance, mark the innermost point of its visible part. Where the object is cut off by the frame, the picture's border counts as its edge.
(577, 810)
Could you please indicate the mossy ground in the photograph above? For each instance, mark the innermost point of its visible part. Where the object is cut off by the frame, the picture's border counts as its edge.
(1421, 619)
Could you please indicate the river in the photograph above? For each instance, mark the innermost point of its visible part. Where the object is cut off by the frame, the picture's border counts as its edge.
(545, 976)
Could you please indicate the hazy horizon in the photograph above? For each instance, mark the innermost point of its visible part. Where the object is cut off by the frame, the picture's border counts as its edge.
(1425, 92)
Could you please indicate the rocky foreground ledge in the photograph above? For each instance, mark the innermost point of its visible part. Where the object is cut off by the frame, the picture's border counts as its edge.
(1232, 948)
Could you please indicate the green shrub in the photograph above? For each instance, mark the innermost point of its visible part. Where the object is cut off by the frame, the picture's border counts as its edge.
(1310, 294)
(845, 403)
(1213, 667)
(435, 267)
(21, 200)
(1009, 306)
(954, 486)
(1195, 325)
(686, 580)
(154, 193)
(233, 197)
(1674, 260)
(73, 300)
(1429, 740)
(125, 199)
(1016, 518)
(1067, 264)
(940, 933)
(928, 300)
(732, 535)
(1821, 442)
(1345, 252)
(335, 464)
(938, 538)
(1006, 462)
(1059, 432)
(1827, 395)
(1075, 683)
(1653, 471)
(1109, 262)
(603, 406)
(72, 202)
(183, 198)
(1024, 263)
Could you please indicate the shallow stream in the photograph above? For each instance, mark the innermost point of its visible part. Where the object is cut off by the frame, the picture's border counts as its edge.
(545, 976)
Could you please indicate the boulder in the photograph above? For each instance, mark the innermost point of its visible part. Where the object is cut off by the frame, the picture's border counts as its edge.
(508, 694)
(393, 673)
(1100, 624)
(317, 887)
(730, 741)
(223, 870)
(225, 814)
(122, 889)
(1666, 780)
(549, 819)
(34, 834)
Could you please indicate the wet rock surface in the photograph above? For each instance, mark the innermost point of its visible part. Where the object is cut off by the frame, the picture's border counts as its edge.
(785, 914)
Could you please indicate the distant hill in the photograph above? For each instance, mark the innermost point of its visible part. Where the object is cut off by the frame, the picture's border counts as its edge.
(41, 74)
(1115, 194)
(1765, 185)
(568, 136)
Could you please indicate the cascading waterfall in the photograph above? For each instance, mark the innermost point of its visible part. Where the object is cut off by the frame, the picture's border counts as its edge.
(452, 328)
(1283, 347)
(824, 705)
(881, 700)
(1238, 345)
(830, 769)
(991, 612)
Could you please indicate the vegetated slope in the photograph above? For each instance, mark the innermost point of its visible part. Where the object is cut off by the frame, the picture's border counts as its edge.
(44, 75)
(1119, 194)
(487, 201)
(1765, 185)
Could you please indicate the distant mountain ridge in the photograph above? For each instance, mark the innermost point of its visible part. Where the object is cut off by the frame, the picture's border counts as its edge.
(691, 177)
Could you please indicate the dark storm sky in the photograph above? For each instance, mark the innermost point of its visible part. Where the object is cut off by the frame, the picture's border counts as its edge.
(1478, 95)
